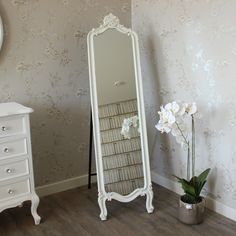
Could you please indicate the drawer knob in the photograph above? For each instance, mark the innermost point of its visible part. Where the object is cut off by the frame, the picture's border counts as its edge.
(9, 171)
(4, 128)
(6, 150)
(10, 191)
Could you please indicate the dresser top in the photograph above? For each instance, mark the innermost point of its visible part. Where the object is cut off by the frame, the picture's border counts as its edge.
(13, 108)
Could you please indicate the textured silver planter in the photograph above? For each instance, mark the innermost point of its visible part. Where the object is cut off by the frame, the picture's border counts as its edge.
(191, 214)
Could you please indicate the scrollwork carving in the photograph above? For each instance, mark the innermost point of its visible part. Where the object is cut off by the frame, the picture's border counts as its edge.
(109, 196)
(102, 205)
(111, 21)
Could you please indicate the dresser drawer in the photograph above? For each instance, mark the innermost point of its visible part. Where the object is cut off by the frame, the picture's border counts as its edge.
(14, 169)
(11, 126)
(13, 148)
(14, 190)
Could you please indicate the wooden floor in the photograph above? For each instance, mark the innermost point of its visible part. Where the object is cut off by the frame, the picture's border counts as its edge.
(75, 212)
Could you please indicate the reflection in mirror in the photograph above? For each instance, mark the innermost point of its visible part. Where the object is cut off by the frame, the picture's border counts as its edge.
(117, 101)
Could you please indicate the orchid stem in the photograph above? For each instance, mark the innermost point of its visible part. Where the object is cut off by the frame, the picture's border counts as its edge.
(188, 163)
(185, 139)
(188, 157)
(193, 147)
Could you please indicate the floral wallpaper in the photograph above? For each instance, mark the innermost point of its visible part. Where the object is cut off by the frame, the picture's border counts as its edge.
(43, 65)
(188, 53)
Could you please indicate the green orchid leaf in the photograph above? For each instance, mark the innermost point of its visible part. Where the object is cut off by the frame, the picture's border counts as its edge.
(179, 179)
(201, 185)
(202, 177)
(193, 187)
(187, 187)
(194, 181)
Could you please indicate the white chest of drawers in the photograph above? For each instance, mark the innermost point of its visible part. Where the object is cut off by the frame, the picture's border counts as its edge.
(16, 166)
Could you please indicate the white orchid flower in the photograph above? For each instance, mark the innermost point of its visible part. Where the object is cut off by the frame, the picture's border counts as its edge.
(191, 109)
(172, 120)
(164, 128)
(173, 107)
(183, 108)
(166, 116)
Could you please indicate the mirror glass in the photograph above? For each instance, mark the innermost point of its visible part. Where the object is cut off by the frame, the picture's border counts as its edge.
(117, 104)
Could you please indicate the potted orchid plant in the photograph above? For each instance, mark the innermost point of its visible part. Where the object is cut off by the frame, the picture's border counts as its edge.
(178, 119)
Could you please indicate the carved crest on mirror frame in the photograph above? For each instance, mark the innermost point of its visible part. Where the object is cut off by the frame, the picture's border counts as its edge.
(110, 22)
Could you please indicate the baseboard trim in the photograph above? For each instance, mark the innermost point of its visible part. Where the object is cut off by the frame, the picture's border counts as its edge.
(63, 185)
(211, 203)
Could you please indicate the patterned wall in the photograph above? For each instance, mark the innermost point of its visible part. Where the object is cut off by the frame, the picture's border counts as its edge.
(43, 64)
(188, 52)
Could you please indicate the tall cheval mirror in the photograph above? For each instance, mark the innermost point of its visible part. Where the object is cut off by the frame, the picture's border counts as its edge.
(120, 140)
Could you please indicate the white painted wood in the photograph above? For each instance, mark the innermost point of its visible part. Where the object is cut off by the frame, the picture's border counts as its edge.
(13, 148)
(14, 169)
(13, 108)
(12, 125)
(14, 190)
(1, 32)
(112, 22)
(16, 159)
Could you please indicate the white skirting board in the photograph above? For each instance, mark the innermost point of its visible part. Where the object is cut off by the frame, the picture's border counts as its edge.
(211, 203)
(64, 185)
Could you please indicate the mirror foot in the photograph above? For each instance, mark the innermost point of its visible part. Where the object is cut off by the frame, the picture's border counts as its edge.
(103, 217)
(102, 205)
(149, 199)
(150, 210)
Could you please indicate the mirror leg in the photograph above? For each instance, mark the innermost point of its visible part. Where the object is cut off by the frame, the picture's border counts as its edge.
(102, 205)
(149, 198)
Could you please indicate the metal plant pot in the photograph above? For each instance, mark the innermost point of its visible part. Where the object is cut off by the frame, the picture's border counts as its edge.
(191, 214)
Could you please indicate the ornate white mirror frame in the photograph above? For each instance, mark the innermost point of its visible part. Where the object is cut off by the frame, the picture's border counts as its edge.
(112, 22)
(1, 32)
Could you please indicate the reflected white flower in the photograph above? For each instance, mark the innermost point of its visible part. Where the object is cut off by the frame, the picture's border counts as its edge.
(126, 134)
(134, 121)
(125, 128)
(127, 123)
